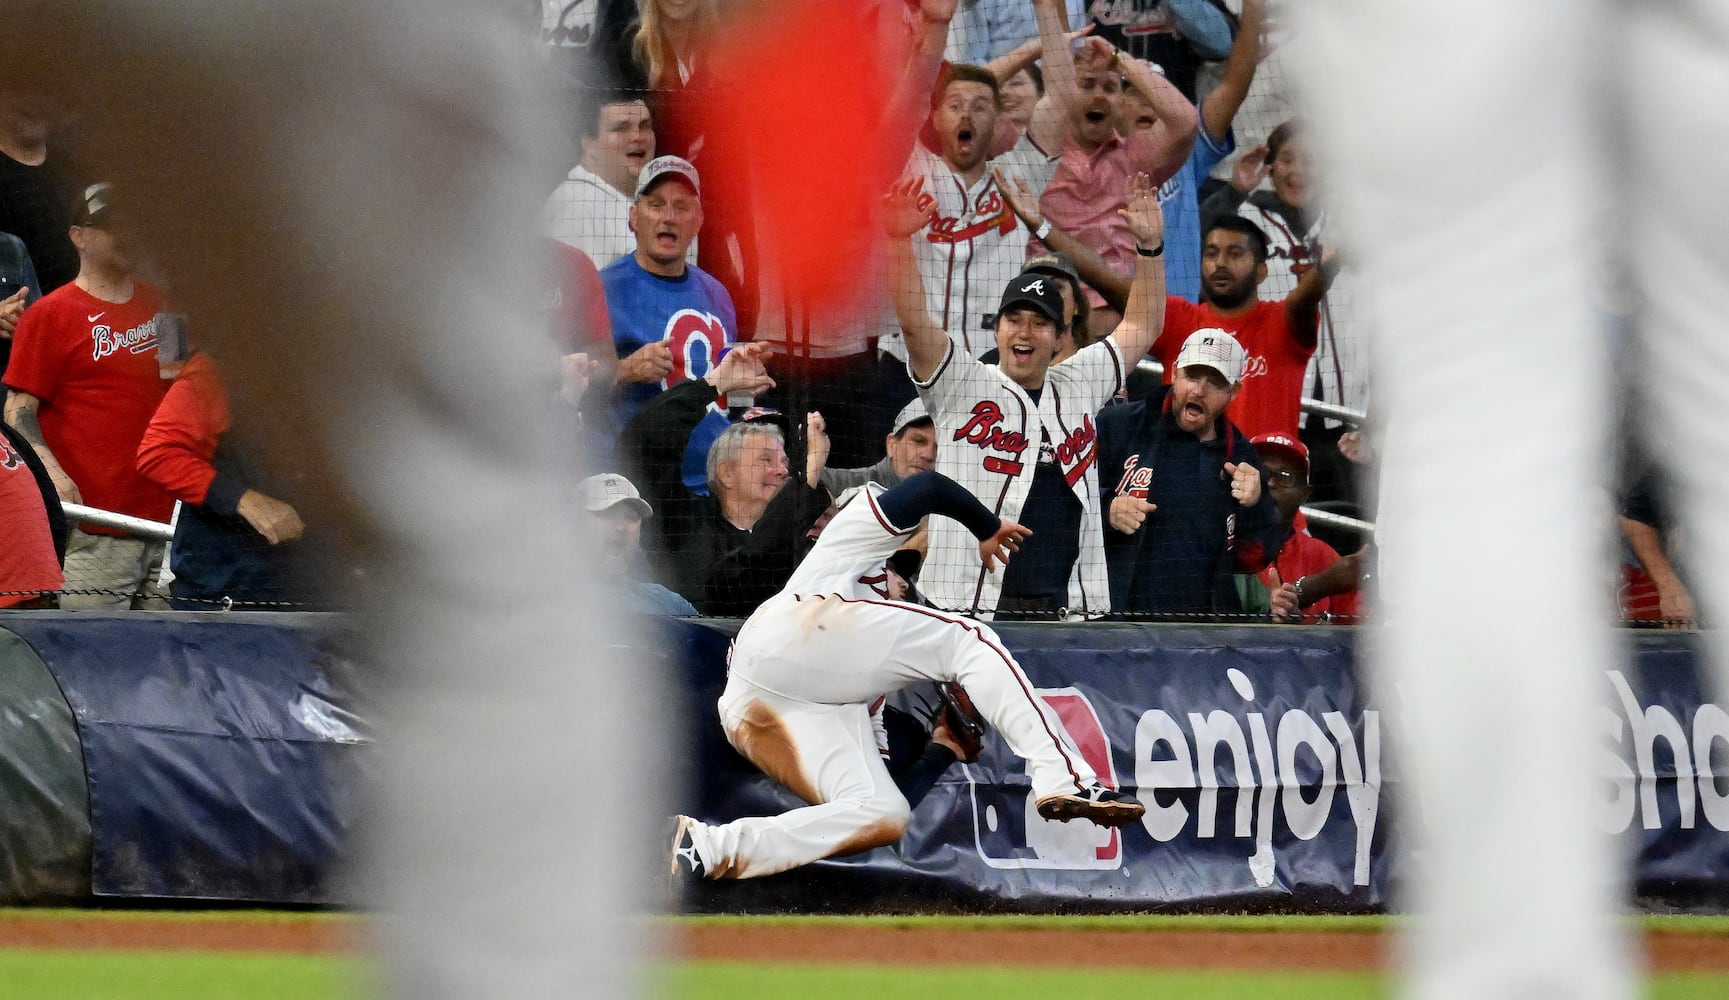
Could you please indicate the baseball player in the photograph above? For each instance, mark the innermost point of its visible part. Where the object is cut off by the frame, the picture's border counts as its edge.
(807, 665)
(1019, 433)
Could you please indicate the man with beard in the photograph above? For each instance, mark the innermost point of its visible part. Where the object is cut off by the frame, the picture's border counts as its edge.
(1186, 511)
(1278, 337)
(973, 243)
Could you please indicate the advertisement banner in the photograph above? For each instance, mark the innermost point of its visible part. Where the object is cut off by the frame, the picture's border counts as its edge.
(1267, 771)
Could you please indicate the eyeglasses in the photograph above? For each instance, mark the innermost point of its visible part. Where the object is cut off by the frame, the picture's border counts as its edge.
(1284, 477)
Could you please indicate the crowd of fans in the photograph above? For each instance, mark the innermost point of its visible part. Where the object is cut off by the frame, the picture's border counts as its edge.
(1097, 297)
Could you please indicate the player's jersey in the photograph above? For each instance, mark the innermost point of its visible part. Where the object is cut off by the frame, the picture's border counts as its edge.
(849, 555)
(968, 252)
(988, 433)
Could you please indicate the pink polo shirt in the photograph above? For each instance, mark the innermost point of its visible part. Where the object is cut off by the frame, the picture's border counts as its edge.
(1085, 193)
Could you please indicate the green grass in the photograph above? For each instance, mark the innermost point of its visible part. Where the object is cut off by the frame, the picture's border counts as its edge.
(82, 975)
(742, 981)
(114, 975)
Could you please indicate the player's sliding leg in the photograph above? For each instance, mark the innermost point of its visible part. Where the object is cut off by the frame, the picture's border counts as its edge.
(937, 647)
(825, 754)
(844, 651)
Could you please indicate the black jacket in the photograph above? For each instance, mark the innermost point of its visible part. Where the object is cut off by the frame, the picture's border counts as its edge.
(722, 569)
(1183, 558)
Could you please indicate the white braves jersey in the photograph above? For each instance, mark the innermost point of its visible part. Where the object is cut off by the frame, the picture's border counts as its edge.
(988, 433)
(849, 554)
(967, 254)
(1339, 370)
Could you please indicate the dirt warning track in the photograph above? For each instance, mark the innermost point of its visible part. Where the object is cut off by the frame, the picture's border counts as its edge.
(1264, 950)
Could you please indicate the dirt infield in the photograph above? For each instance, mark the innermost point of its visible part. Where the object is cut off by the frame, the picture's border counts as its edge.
(1332, 951)
(135, 932)
(1342, 951)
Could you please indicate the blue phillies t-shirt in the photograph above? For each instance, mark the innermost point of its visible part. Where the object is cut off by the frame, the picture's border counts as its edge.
(1180, 200)
(695, 315)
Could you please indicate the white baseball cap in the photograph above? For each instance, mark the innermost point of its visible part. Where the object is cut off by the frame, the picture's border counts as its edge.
(1214, 349)
(608, 490)
(666, 166)
(911, 414)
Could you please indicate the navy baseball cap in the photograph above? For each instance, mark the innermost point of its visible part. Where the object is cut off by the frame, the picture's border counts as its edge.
(95, 206)
(1037, 292)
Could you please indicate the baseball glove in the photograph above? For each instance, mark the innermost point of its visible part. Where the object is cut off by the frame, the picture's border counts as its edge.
(954, 713)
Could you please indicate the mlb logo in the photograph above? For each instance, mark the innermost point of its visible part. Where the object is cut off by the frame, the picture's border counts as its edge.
(1009, 833)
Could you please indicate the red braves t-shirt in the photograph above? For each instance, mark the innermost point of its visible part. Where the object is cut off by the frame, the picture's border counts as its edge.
(27, 559)
(93, 366)
(1272, 392)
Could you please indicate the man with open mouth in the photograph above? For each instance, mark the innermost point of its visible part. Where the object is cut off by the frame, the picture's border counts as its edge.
(1076, 121)
(1279, 337)
(590, 209)
(1019, 434)
(1184, 490)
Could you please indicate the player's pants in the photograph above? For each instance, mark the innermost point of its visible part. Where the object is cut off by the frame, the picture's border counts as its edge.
(804, 670)
(1468, 144)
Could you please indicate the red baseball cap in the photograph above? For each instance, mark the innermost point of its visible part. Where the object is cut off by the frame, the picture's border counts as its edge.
(1280, 442)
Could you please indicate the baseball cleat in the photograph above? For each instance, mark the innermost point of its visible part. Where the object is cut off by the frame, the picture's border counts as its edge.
(1104, 806)
(684, 860)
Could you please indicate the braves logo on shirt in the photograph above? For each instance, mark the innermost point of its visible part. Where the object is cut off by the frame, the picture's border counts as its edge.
(1137, 479)
(1078, 450)
(137, 340)
(985, 430)
(990, 213)
(695, 340)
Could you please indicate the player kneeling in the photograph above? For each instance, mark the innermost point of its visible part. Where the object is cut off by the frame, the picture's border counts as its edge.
(807, 665)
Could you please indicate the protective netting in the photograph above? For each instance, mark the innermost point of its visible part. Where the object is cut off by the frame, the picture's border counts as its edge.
(1019, 138)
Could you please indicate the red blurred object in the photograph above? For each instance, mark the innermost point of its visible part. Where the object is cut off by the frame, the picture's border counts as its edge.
(806, 91)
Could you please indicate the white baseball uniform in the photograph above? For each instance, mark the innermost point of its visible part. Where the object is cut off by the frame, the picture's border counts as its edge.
(803, 672)
(970, 249)
(988, 440)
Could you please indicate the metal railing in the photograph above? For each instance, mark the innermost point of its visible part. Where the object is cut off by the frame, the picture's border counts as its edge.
(155, 531)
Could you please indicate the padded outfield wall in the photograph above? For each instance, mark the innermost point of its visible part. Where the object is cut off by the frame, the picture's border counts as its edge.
(218, 757)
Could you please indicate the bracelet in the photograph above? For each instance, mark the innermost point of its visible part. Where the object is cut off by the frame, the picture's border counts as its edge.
(1154, 252)
(1043, 230)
